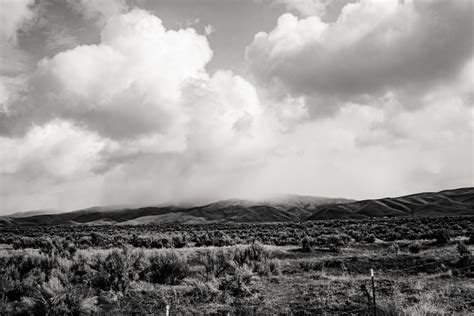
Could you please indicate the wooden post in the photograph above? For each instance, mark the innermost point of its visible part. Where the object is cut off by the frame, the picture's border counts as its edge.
(373, 291)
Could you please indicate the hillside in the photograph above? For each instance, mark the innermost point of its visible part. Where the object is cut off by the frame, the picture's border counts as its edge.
(283, 208)
(444, 203)
(278, 209)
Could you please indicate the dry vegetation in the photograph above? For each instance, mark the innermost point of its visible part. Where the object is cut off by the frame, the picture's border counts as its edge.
(423, 266)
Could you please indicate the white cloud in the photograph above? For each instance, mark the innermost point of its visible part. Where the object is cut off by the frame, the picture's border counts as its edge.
(135, 75)
(136, 118)
(373, 47)
(143, 97)
(58, 148)
(209, 29)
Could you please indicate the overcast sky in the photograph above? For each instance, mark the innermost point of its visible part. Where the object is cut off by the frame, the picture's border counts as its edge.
(141, 101)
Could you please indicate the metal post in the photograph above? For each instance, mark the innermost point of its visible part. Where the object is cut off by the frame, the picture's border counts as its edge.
(373, 291)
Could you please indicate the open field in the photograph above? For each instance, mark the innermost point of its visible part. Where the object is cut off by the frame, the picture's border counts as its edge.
(422, 266)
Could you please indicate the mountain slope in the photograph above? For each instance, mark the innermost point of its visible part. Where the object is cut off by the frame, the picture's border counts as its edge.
(444, 203)
(279, 209)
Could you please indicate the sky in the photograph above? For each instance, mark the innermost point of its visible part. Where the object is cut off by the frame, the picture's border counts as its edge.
(177, 101)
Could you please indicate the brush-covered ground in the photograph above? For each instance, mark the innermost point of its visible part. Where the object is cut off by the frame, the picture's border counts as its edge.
(319, 274)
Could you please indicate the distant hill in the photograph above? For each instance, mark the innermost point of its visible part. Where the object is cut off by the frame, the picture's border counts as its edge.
(32, 213)
(279, 209)
(444, 203)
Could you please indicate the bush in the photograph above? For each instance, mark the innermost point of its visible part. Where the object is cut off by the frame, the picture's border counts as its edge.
(256, 258)
(247, 255)
(370, 238)
(216, 263)
(112, 271)
(414, 247)
(394, 248)
(168, 267)
(307, 244)
(442, 237)
(238, 283)
(463, 251)
(471, 238)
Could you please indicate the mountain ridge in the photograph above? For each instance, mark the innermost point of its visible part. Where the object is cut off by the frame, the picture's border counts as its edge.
(283, 208)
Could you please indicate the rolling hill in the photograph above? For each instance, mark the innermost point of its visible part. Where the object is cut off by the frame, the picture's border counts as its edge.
(444, 203)
(279, 209)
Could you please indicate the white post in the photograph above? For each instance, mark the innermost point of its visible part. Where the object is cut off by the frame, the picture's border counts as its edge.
(167, 310)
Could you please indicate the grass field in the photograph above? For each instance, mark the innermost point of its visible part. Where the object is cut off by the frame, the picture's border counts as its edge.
(315, 276)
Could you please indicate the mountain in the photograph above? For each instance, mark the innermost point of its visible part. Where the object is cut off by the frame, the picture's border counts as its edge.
(32, 213)
(278, 209)
(444, 203)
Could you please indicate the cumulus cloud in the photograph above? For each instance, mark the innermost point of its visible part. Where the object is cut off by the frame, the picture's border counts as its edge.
(140, 101)
(373, 47)
(133, 75)
(137, 118)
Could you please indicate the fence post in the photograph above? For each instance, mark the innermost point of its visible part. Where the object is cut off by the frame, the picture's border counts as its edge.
(373, 291)
(167, 310)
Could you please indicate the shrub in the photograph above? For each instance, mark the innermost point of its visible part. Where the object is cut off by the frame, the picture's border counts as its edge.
(168, 268)
(56, 297)
(471, 238)
(203, 292)
(216, 263)
(370, 238)
(267, 268)
(442, 237)
(307, 244)
(250, 254)
(256, 258)
(414, 247)
(394, 248)
(238, 283)
(112, 271)
(463, 251)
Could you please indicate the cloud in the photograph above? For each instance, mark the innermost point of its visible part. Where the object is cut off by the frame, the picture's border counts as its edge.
(209, 29)
(35, 166)
(304, 7)
(140, 106)
(103, 8)
(137, 118)
(13, 15)
(58, 148)
(373, 47)
(133, 75)
(391, 151)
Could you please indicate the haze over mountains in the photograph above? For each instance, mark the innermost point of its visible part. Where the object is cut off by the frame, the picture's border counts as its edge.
(280, 209)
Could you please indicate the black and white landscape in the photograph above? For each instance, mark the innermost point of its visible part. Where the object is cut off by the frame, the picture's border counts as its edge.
(235, 157)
